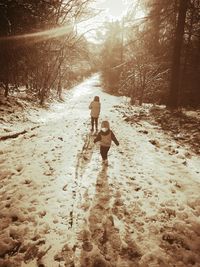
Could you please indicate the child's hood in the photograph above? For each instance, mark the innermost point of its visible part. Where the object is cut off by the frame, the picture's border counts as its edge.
(105, 124)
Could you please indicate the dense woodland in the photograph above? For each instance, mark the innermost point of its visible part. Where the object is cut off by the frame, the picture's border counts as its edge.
(40, 48)
(157, 58)
(154, 59)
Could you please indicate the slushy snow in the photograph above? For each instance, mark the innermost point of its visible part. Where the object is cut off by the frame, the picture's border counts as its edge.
(59, 206)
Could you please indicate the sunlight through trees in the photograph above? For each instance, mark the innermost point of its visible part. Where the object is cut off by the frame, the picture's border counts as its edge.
(147, 50)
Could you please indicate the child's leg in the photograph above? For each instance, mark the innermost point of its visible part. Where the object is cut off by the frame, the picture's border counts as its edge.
(104, 152)
(96, 123)
(92, 123)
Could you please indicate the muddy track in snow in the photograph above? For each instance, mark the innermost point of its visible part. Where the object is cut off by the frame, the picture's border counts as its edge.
(104, 243)
(83, 159)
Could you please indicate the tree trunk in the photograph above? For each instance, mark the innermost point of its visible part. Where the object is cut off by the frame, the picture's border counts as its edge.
(156, 24)
(141, 100)
(184, 76)
(59, 89)
(6, 89)
(132, 89)
(175, 74)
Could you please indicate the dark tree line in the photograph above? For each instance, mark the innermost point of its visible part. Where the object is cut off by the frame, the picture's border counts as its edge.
(40, 48)
(155, 58)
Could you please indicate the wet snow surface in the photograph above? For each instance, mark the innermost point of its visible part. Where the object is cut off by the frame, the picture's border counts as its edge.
(60, 207)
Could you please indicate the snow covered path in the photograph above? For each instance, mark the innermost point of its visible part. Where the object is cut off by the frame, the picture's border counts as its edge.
(60, 207)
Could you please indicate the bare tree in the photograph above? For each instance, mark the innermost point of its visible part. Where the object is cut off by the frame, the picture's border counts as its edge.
(175, 72)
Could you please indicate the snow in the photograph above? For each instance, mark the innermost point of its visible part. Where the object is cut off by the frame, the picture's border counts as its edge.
(60, 207)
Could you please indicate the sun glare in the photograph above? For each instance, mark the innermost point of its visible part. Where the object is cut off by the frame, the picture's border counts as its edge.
(42, 35)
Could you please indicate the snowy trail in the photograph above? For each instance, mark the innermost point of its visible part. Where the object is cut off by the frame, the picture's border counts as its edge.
(60, 207)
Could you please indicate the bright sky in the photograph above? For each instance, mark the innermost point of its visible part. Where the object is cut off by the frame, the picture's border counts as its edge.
(116, 9)
(111, 10)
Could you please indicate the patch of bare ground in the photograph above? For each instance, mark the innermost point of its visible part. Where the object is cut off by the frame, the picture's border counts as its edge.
(182, 125)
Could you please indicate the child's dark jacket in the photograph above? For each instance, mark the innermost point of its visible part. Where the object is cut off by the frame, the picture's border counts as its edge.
(106, 138)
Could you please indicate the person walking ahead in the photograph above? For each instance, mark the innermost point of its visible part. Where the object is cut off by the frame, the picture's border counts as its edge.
(105, 136)
(95, 107)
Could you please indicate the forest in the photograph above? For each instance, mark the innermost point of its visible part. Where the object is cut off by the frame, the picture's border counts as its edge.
(40, 48)
(156, 58)
(153, 59)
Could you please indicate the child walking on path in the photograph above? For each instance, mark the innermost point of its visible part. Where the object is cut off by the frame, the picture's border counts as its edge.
(95, 107)
(105, 136)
